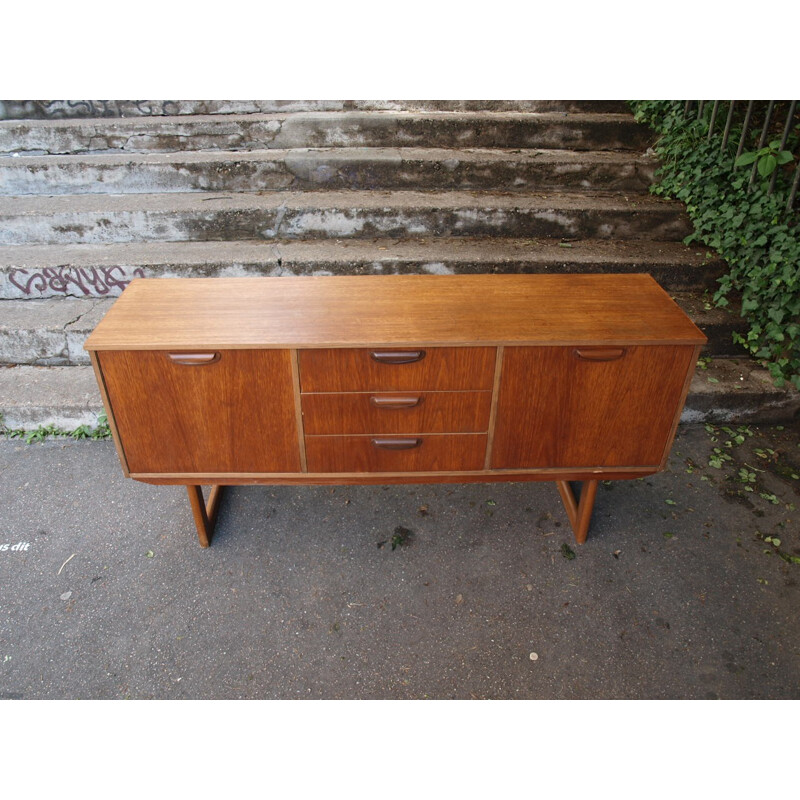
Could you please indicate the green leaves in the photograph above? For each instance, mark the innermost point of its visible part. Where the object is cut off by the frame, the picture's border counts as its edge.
(718, 458)
(745, 159)
(747, 227)
(31, 436)
(768, 159)
(767, 164)
(401, 537)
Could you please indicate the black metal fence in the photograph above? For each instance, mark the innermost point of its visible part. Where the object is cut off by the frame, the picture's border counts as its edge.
(771, 155)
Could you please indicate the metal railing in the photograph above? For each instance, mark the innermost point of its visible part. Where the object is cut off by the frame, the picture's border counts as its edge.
(771, 125)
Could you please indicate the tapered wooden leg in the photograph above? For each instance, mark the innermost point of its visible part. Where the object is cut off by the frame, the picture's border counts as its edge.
(579, 512)
(205, 515)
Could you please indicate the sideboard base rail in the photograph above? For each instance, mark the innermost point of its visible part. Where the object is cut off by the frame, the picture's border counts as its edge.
(579, 510)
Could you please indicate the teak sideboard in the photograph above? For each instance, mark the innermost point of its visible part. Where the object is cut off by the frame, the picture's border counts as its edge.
(394, 379)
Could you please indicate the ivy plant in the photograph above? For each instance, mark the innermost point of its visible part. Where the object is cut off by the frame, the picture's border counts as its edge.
(749, 227)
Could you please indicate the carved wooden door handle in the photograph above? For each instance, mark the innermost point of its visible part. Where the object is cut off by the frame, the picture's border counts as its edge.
(397, 356)
(397, 444)
(193, 359)
(599, 353)
(395, 401)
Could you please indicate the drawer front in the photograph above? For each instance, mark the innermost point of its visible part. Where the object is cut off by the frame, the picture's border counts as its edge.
(395, 369)
(433, 453)
(394, 412)
(588, 406)
(212, 412)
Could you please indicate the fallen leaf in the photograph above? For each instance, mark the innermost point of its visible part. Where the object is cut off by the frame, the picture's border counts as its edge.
(401, 537)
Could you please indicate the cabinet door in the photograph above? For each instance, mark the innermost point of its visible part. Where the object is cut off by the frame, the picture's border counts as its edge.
(224, 412)
(588, 406)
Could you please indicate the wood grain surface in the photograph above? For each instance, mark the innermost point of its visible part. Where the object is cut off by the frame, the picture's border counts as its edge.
(391, 310)
(235, 414)
(556, 409)
(432, 412)
(354, 370)
(445, 452)
(368, 478)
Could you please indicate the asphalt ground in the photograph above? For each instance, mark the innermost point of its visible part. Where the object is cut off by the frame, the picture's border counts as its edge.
(685, 589)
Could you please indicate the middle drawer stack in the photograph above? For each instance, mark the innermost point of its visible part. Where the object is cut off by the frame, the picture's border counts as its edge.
(392, 410)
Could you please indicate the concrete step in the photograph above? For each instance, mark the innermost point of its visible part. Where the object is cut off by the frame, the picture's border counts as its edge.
(582, 131)
(339, 168)
(88, 219)
(67, 397)
(48, 332)
(92, 109)
(103, 270)
(52, 332)
(739, 390)
(718, 324)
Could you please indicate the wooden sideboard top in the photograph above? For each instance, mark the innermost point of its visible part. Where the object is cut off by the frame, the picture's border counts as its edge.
(392, 311)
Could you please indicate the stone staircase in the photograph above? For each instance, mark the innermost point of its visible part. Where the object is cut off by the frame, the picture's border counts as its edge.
(95, 193)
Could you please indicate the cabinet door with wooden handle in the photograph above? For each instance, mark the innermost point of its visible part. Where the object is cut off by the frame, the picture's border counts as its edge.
(556, 409)
(176, 413)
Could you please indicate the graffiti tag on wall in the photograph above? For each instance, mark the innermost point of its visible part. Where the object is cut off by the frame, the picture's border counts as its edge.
(80, 281)
(68, 109)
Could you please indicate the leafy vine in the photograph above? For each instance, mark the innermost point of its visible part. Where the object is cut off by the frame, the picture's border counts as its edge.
(746, 224)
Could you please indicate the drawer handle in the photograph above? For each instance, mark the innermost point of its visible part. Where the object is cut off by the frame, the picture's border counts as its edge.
(395, 402)
(397, 444)
(193, 359)
(397, 356)
(600, 353)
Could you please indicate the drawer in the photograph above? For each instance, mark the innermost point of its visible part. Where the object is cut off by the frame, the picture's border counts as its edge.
(393, 412)
(432, 453)
(396, 369)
